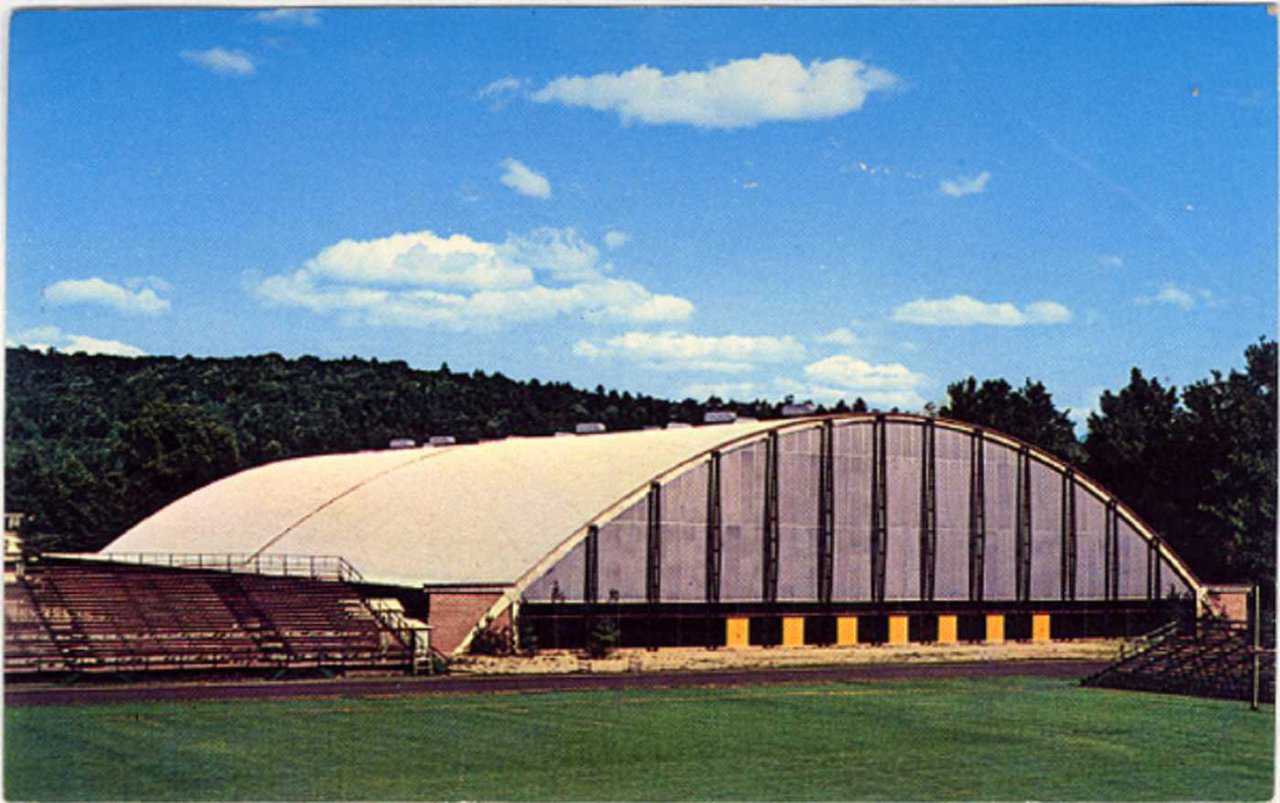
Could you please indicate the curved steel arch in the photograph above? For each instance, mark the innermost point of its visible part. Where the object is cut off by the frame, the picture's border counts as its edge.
(515, 591)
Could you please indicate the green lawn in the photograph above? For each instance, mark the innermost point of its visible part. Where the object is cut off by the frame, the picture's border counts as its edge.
(1009, 738)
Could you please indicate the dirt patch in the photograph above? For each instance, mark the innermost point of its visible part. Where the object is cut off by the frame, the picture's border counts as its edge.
(683, 659)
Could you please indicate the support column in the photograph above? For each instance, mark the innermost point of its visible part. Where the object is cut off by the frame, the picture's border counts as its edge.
(995, 628)
(769, 591)
(948, 629)
(653, 559)
(1111, 552)
(879, 509)
(735, 631)
(846, 631)
(1022, 578)
(793, 631)
(714, 545)
(826, 512)
(898, 629)
(928, 510)
(977, 516)
(1068, 535)
(1041, 627)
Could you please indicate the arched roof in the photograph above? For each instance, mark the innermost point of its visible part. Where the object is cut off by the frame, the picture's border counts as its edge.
(480, 513)
(498, 512)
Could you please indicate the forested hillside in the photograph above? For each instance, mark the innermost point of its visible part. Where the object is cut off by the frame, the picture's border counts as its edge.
(94, 444)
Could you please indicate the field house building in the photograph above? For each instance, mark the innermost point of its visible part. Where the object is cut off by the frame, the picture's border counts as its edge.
(815, 530)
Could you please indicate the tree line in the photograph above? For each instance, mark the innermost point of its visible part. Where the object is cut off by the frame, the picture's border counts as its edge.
(95, 444)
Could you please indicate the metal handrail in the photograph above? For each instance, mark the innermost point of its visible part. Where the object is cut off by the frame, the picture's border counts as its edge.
(316, 567)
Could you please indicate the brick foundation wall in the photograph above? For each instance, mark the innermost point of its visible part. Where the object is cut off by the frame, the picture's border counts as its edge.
(454, 613)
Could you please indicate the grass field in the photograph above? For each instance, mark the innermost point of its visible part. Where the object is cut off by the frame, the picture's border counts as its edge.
(1008, 738)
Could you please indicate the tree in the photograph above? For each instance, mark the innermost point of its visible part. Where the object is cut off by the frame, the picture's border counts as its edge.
(1027, 413)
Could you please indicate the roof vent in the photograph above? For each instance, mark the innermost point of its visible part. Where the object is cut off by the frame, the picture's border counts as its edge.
(589, 428)
(719, 417)
(791, 410)
(442, 440)
(402, 443)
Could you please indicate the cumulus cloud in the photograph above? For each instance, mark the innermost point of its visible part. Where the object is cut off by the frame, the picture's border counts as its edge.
(676, 351)
(420, 258)
(1111, 261)
(422, 279)
(740, 93)
(1175, 296)
(103, 293)
(962, 186)
(43, 338)
(523, 180)
(842, 376)
(615, 239)
(220, 61)
(842, 336)
(962, 310)
(300, 17)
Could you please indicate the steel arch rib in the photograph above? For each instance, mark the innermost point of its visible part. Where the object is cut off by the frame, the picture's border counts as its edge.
(513, 593)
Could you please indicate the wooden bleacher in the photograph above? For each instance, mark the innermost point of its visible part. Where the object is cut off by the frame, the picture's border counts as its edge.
(1205, 658)
(68, 616)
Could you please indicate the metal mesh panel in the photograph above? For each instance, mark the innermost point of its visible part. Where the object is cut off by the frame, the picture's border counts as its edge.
(799, 454)
(684, 536)
(1133, 562)
(952, 570)
(684, 568)
(1046, 532)
(851, 577)
(684, 497)
(902, 559)
(742, 493)
(1171, 582)
(1091, 517)
(622, 554)
(797, 563)
(1000, 564)
(569, 572)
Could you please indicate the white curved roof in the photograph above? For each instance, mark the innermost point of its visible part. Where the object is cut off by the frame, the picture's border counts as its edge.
(457, 514)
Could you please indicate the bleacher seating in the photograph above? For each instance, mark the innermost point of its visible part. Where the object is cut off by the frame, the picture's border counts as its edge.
(1208, 658)
(90, 616)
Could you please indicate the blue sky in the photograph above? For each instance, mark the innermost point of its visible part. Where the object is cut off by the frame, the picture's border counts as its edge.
(754, 202)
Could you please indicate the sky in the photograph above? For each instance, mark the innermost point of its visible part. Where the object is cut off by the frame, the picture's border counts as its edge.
(752, 203)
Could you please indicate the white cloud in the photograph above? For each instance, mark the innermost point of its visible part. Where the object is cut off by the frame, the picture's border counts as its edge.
(42, 338)
(1173, 295)
(842, 336)
(560, 252)
(1111, 261)
(962, 310)
(740, 93)
(832, 386)
(961, 186)
(502, 86)
(220, 61)
(615, 239)
(303, 17)
(524, 180)
(675, 351)
(104, 293)
(420, 258)
(459, 283)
